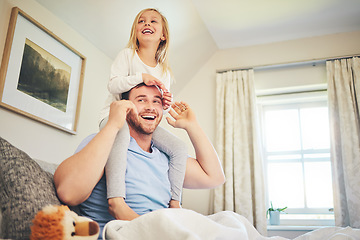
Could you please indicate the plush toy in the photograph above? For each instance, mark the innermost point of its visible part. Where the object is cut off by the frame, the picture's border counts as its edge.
(59, 223)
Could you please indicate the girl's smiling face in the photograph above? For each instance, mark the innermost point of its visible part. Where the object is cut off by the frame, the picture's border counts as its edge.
(150, 27)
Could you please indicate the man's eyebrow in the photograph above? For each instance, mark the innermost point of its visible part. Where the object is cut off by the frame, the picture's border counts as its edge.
(143, 95)
(157, 96)
(140, 96)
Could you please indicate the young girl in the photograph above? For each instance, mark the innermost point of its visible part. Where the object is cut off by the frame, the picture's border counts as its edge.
(144, 60)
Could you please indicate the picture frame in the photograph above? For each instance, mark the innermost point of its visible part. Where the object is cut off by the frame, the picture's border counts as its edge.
(41, 76)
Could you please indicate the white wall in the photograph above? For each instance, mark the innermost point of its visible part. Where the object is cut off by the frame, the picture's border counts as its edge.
(200, 91)
(37, 139)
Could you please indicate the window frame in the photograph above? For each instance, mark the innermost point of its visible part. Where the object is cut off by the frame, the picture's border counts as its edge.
(289, 101)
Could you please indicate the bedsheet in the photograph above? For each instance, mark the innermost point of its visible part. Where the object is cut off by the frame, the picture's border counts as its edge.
(184, 224)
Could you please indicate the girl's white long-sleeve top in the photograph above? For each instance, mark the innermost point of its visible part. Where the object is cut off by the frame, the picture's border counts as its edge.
(126, 73)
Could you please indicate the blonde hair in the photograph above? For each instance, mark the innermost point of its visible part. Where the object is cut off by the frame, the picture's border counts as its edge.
(161, 54)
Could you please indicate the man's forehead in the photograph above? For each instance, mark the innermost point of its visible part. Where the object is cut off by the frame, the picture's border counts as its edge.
(149, 91)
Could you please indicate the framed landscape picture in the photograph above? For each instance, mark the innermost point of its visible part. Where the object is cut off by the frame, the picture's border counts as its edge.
(41, 76)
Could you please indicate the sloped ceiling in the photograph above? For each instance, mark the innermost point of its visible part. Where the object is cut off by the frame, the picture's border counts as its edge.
(235, 23)
(199, 28)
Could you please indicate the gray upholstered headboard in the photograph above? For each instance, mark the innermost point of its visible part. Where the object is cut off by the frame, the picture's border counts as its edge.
(26, 186)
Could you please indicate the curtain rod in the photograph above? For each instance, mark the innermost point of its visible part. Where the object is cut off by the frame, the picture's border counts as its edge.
(315, 60)
(292, 90)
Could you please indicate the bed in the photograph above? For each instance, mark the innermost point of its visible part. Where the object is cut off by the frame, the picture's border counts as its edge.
(186, 224)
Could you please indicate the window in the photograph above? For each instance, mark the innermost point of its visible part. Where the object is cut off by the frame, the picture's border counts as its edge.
(296, 150)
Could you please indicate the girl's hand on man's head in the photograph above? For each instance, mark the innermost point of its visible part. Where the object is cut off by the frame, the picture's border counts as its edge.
(150, 80)
(167, 100)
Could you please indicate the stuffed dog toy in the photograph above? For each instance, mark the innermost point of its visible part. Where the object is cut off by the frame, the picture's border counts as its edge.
(59, 223)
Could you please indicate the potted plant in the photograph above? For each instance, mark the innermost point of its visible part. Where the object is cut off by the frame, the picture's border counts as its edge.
(274, 214)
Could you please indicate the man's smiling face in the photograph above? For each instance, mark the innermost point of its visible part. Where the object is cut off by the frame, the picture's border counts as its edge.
(148, 102)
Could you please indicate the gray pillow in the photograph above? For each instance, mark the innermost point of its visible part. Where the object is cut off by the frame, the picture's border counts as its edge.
(24, 189)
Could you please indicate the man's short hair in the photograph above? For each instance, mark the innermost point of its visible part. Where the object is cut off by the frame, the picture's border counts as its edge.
(125, 95)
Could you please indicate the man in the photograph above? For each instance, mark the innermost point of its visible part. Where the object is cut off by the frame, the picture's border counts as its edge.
(79, 179)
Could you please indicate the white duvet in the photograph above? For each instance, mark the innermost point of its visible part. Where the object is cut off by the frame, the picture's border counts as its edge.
(186, 224)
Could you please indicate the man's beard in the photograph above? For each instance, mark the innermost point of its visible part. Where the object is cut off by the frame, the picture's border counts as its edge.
(134, 123)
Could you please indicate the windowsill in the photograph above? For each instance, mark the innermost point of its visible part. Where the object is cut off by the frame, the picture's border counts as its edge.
(293, 228)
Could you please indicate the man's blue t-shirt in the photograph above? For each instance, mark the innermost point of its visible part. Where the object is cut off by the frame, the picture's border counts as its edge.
(147, 184)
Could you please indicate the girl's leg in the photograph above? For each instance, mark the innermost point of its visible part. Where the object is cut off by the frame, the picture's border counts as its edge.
(177, 152)
(115, 167)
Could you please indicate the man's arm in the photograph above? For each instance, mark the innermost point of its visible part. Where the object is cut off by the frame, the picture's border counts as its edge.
(76, 176)
(205, 171)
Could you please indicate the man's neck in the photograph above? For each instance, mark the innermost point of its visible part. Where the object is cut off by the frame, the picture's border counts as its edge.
(143, 140)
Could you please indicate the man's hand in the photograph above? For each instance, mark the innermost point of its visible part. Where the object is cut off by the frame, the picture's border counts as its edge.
(205, 170)
(119, 111)
(182, 114)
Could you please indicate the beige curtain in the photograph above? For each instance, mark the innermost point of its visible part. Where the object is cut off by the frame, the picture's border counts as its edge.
(344, 100)
(238, 148)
